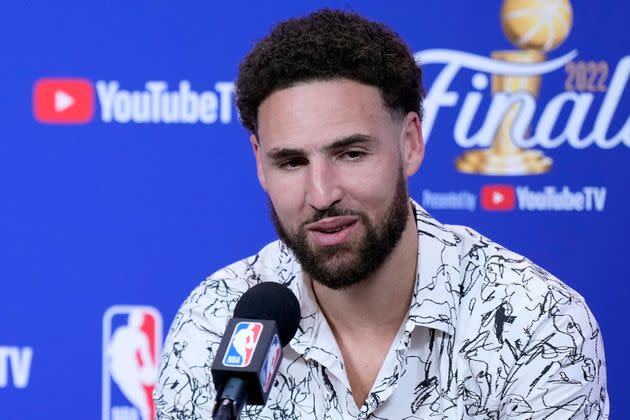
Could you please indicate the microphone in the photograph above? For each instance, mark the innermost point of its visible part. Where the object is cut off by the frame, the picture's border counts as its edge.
(265, 320)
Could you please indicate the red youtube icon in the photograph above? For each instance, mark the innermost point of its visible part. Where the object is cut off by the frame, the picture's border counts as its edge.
(498, 197)
(63, 101)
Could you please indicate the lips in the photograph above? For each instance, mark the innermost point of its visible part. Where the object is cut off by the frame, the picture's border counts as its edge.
(332, 230)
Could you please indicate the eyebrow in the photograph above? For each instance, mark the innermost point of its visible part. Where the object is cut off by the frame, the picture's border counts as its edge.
(279, 153)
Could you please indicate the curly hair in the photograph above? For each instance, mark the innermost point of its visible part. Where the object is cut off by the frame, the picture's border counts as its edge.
(325, 45)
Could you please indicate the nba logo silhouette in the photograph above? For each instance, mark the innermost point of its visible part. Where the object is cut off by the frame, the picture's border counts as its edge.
(242, 344)
(132, 341)
(273, 357)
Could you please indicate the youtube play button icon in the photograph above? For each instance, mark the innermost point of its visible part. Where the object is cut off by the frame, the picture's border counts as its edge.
(63, 101)
(498, 197)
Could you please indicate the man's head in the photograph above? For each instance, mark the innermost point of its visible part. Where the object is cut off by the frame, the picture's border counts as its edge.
(333, 103)
(327, 45)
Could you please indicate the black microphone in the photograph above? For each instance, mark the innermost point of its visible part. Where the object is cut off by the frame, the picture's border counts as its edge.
(265, 319)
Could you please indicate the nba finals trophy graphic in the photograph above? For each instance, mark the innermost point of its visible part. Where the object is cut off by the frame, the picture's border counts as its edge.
(536, 27)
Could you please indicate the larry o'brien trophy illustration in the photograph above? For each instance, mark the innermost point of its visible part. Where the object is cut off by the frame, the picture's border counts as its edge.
(536, 27)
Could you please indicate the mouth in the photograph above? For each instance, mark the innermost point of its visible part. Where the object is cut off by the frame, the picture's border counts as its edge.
(332, 230)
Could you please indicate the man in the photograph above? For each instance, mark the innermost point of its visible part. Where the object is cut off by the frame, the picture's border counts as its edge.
(402, 317)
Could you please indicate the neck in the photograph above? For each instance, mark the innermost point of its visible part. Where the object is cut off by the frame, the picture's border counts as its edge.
(380, 301)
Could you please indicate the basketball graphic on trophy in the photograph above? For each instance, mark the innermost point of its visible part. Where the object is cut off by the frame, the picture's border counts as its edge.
(535, 27)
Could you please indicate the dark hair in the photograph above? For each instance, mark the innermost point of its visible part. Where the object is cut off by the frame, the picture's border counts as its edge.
(329, 44)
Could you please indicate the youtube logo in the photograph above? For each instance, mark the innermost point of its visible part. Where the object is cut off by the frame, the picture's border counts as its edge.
(63, 101)
(498, 197)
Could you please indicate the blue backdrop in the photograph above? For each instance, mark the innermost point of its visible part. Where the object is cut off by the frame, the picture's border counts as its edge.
(113, 193)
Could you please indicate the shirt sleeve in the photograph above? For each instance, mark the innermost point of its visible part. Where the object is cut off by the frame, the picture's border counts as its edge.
(185, 389)
(561, 372)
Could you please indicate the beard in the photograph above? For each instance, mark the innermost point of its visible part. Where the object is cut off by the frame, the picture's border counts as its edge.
(341, 266)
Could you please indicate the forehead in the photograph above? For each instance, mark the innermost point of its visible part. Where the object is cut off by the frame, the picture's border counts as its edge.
(309, 114)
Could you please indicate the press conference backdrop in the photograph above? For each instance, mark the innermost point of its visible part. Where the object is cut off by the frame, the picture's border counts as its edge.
(126, 177)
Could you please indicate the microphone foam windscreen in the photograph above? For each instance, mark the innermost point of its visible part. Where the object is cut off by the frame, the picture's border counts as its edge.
(271, 301)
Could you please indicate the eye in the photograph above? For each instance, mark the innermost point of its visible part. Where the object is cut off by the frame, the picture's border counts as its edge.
(352, 155)
(293, 163)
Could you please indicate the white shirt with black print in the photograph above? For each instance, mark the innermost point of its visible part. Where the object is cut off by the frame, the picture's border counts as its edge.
(488, 335)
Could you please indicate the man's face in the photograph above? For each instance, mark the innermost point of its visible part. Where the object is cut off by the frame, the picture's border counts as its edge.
(333, 161)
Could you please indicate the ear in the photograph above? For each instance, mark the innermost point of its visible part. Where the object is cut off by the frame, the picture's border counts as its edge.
(412, 144)
(259, 166)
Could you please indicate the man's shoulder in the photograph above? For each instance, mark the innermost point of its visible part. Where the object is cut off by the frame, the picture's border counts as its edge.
(504, 289)
(223, 288)
(526, 332)
(488, 286)
(481, 257)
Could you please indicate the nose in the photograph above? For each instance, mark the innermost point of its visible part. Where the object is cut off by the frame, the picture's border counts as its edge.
(323, 189)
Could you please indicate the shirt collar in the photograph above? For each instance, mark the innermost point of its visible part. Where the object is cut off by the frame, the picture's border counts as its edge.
(435, 299)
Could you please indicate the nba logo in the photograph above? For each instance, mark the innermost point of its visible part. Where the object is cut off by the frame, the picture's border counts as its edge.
(242, 344)
(132, 341)
(273, 357)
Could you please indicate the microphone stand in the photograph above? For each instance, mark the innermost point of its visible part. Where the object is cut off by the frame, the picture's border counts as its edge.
(232, 400)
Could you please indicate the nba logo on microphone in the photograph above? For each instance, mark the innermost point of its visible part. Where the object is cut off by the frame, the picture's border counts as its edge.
(273, 357)
(242, 344)
(132, 341)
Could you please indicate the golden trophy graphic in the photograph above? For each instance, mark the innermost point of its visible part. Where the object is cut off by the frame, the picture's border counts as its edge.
(536, 27)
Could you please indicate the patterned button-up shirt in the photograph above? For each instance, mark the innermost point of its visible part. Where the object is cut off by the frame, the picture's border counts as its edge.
(488, 335)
